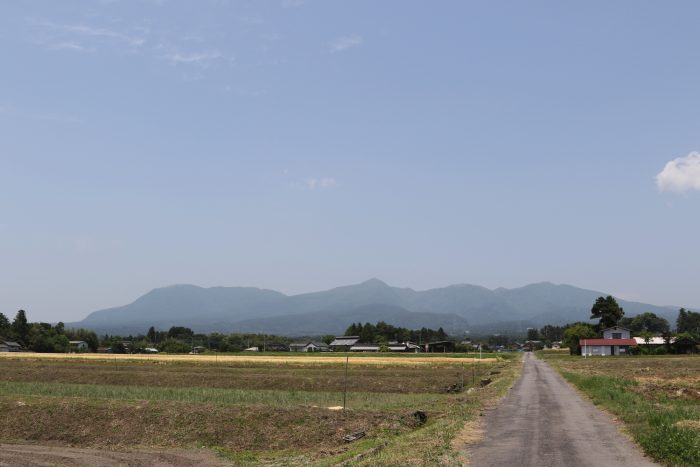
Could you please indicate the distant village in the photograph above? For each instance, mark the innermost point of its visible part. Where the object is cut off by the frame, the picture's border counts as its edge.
(614, 335)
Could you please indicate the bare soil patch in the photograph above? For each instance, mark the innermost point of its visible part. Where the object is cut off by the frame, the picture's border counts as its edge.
(28, 455)
(118, 424)
(248, 375)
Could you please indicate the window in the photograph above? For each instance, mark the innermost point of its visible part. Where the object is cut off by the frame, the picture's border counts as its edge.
(617, 335)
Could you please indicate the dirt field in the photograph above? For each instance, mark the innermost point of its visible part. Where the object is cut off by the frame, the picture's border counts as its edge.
(249, 410)
(26, 455)
(355, 359)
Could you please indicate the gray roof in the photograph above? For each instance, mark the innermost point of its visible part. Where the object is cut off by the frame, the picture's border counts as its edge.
(365, 347)
(345, 340)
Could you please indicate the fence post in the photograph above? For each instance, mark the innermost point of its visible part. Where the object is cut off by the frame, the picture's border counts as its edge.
(345, 388)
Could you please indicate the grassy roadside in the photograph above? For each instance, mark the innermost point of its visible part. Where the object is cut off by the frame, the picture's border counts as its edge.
(662, 417)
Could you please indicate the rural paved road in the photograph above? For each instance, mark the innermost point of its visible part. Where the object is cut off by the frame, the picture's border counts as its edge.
(544, 422)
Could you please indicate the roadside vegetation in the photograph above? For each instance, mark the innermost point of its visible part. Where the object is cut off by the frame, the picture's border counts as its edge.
(254, 413)
(656, 397)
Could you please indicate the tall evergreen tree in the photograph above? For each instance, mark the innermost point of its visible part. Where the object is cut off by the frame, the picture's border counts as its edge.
(20, 327)
(607, 311)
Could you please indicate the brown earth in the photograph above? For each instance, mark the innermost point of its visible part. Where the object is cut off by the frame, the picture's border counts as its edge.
(117, 424)
(671, 370)
(27, 455)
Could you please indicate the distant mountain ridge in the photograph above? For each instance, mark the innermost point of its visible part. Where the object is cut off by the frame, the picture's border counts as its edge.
(457, 308)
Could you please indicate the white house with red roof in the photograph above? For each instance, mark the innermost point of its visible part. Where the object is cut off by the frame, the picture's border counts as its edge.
(616, 341)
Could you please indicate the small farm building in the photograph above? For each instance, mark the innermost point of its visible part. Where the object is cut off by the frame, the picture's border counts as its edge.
(652, 341)
(616, 341)
(684, 345)
(392, 346)
(78, 346)
(276, 347)
(10, 346)
(440, 346)
(343, 343)
(309, 347)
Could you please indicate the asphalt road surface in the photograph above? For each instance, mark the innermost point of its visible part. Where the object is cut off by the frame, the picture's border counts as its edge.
(544, 422)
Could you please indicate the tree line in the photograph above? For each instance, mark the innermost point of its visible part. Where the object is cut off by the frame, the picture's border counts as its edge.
(44, 337)
(383, 332)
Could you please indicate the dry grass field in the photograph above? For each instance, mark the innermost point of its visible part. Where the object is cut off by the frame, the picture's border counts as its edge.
(250, 410)
(657, 398)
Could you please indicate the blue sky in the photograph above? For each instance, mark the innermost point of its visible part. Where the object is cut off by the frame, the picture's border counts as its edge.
(304, 144)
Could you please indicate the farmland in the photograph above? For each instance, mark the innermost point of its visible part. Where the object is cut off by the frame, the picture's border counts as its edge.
(657, 398)
(274, 410)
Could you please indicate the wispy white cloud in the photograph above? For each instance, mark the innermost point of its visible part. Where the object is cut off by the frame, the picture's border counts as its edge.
(320, 183)
(344, 43)
(73, 46)
(87, 31)
(681, 174)
(201, 58)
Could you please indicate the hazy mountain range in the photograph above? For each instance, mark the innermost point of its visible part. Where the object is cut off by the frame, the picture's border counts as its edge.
(456, 308)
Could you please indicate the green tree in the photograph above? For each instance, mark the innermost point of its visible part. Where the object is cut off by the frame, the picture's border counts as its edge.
(151, 334)
(645, 322)
(20, 327)
(5, 326)
(533, 334)
(551, 333)
(574, 333)
(367, 333)
(174, 346)
(607, 311)
(180, 332)
(688, 321)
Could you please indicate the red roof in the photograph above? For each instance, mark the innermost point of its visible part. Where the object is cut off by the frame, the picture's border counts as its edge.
(607, 342)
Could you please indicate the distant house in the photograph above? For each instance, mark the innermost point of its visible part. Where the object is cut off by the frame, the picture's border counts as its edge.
(392, 346)
(656, 341)
(252, 349)
(404, 347)
(197, 349)
(78, 346)
(616, 341)
(343, 343)
(10, 346)
(684, 345)
(276, 347)
(556, 345)
(440, 346)
(309, 347)
(530, 346)
(146, 350)
(363, 347)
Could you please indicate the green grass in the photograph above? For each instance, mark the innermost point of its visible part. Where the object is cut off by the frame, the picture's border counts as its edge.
(276, 398)
(652, 421)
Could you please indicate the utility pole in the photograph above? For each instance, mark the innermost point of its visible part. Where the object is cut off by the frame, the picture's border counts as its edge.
(345, 388)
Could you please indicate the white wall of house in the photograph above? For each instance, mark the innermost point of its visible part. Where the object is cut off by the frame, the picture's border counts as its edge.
(602, 350)
(616, 333)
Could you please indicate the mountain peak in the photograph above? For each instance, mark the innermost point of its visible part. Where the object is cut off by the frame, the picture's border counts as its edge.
(374, 282)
